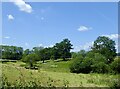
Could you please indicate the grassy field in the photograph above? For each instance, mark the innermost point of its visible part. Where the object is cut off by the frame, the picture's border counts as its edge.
(52, 73)
(55, 66)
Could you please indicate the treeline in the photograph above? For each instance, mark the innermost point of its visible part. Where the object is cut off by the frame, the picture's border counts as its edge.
(59, 50)
(11, 52)
(101, 58)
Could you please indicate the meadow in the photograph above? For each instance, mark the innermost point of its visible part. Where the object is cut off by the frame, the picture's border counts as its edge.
(52, 74)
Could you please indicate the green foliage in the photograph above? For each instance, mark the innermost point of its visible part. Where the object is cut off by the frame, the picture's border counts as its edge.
(99, 58)
(106, 47)
(90, 54)
(31, 59)
(37, 49)
(79, 54)
(45, 54)
(92, 62)
(99, 64)
(86, 65)
(77, 65)
(74, 55)
(63, 49)
(81, 65)
(25, 53)
(82, 52)
(11, 52)
(115, 65)
(100, 67)
(18, 77)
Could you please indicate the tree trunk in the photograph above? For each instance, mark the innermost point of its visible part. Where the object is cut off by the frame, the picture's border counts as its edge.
(31, 65)
(63, 58)
(43, 61)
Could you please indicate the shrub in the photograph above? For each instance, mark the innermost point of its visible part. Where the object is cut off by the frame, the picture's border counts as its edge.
(90, 54)
(92, 62)
(98, 63)
(76, 63)
(101, 67)
(74, 55)
(80, 65)
(86, 65)
(31, 59)
(99, 58)
(115, 65)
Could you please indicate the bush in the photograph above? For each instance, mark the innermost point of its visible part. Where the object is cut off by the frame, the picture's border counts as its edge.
(86, 65)
(100, 67)
(92, 62)
(98, 63)
(80, 65)
(74, 66)
(99, 58)
(115, 65)
(31, 59)
(90, 54)
(74, 55)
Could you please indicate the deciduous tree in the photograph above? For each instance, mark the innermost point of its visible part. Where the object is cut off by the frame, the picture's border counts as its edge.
(106, 47)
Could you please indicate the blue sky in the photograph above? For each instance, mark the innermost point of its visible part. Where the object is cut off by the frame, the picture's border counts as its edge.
(30, 24)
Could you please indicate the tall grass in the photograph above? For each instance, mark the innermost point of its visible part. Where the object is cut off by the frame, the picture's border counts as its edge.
(16, 76)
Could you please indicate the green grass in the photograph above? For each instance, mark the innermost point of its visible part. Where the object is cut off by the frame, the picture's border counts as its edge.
(53, 74)
(55, 66)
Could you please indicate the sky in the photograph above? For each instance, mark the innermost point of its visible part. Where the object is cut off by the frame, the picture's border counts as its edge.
(31, 24)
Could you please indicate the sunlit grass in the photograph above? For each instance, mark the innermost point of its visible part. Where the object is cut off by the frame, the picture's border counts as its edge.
(60, 78)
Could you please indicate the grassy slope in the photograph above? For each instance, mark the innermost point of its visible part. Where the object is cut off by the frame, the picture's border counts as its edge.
(54, 74)
(55, 66)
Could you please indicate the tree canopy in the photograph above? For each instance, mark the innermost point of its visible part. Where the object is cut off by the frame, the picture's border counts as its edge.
(106, 47)
(11, 52)
(63, 48)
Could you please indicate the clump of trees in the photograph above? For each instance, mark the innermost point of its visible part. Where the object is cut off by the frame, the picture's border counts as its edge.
(59, 50)
(11, 52)
(31, 59)
(100, 59)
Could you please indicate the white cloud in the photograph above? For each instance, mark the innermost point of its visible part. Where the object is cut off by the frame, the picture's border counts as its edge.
(10, 17)
(112, 36)
(84, 28)
(22, 5)
(6, 37)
